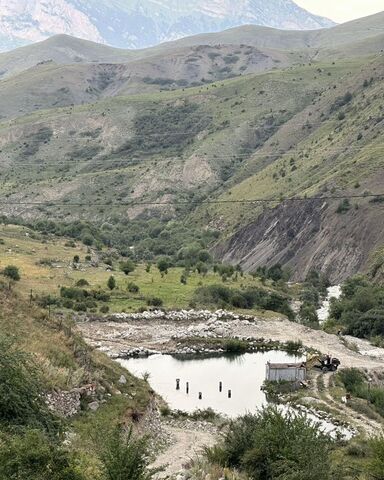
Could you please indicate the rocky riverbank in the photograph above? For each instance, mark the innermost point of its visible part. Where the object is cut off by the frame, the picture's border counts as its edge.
(202, 331)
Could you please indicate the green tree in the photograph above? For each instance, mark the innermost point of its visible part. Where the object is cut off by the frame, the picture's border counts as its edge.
(163, 265)
(76, 259)
(308, 315)
(127, 267)
(111, 282)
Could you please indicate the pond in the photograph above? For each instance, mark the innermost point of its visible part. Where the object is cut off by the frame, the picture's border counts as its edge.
(242, 374)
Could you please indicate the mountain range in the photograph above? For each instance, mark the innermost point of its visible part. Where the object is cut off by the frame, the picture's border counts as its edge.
(206, 124)
(142, 23)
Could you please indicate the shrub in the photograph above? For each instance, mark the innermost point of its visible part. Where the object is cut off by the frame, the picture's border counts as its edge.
(125, 456)
(21, 400)
(163, 265)
(235, 346)
(155, 302)
(352, 379)
(271, 444)
(222, 296)
(33, 456)
(111, 283)
(376, 464)
(341, 101)
(87, 239)
(12, 273)
(80, 307)
(82, 283)
(133, 288)
(127, 267)
(104, 309)
(344, 206)
(68, 304)
(293, 347)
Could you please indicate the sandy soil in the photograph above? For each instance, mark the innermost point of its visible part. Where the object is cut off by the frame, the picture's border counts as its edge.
(186, 446)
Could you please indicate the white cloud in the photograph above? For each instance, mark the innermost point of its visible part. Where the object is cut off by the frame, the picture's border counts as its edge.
(342, 10)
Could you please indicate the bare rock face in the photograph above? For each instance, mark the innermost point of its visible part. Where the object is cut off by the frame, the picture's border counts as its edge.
(308, 235)
(35, 20)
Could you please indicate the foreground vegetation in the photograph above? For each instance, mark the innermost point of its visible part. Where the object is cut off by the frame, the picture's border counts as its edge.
(272, 445)
(41, 355)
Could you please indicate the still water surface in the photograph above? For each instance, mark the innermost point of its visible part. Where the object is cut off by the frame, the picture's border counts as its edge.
(242, 374)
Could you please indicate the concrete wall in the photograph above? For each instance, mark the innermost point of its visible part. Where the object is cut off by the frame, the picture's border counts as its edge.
(288, 374)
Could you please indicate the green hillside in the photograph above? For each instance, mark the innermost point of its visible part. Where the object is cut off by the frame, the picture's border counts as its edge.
(84, 145)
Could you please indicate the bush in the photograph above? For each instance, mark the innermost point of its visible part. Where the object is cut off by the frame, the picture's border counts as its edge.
(155, 302)
(352, 379)
(104, 309)
(344, 206)
(111, 283)
(21, 400)
(133, 288)
(80, 307)
(127, 267)
(376, 464)
(293, 347)
(235, 346)
(275, 445)
(222, 297)
(82, 283)
(12, 273)
(33, 456)
(125, 457)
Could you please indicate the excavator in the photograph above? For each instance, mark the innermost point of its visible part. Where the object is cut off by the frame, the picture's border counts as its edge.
(325, 363)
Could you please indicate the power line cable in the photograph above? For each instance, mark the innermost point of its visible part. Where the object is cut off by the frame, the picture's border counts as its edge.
(194, 202)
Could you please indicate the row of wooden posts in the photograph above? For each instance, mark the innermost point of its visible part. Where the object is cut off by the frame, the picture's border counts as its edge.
(201, 393)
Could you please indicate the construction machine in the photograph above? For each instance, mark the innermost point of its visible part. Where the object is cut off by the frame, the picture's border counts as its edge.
(325, 363)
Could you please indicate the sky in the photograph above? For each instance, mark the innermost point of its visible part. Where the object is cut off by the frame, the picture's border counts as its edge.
(342, 10)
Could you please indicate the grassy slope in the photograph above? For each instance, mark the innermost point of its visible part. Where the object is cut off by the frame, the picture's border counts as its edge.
(66, 363)
(326, 156)
(241, 112)
(26, 253)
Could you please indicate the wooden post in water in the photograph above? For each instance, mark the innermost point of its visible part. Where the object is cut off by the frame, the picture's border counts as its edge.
(220, 387)
(187, 387)
(229, 393)
(200, 396)
(177, 383)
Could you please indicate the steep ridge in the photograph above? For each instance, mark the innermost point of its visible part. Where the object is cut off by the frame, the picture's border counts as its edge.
(342, 155)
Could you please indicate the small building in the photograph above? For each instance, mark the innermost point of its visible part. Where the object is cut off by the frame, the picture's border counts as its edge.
(286, 372)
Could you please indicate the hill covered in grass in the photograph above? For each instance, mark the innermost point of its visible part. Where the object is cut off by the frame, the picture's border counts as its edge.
(235, 118)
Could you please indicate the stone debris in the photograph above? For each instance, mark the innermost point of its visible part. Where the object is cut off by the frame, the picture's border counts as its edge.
(65, 404)
(171, 316)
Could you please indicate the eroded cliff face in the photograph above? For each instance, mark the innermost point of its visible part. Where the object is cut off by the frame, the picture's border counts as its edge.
(310, 234)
